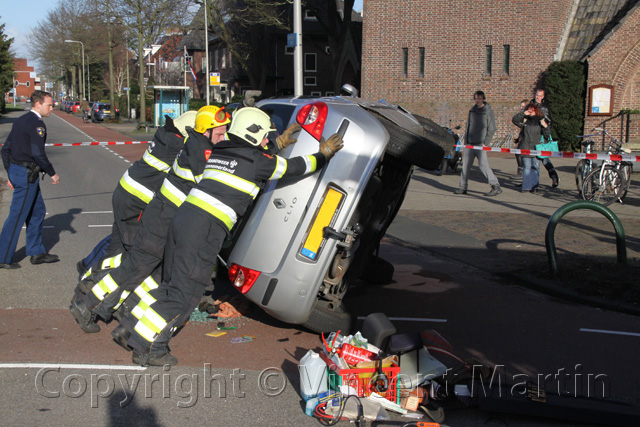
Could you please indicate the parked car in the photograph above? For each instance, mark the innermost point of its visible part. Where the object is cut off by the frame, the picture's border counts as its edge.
(101, 111)
(63, 105)
(74, 107)
(307, 240)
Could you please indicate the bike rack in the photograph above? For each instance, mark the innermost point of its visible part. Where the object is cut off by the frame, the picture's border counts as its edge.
(549, 239)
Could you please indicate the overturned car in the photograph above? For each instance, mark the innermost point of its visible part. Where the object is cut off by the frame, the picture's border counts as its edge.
(306, 240)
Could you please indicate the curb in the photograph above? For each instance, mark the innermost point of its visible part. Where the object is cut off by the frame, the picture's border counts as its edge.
(549, 287)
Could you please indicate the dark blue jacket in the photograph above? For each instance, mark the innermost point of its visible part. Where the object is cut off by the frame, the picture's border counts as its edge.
(25, 143)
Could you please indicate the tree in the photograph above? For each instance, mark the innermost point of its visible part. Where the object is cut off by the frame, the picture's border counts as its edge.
(6, 65)
(565, 83)
(244, 27)
(337, 25)
(145, 21)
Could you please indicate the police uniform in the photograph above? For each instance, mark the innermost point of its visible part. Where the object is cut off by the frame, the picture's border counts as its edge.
(22, 152)
(135, 265)
(233, 177)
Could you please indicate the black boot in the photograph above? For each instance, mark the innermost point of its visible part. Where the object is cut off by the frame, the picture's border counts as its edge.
(154, 359)
(121, 336)
(84, 317)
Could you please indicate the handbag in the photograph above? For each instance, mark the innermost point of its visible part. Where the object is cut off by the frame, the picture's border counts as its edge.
(546, 146)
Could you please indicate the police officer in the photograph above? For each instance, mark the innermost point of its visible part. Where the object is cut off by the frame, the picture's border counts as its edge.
(24, 157)
(134, 266)
(138, 185)
(232, 179)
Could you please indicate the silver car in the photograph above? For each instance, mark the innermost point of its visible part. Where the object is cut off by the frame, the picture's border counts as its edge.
(306, 240)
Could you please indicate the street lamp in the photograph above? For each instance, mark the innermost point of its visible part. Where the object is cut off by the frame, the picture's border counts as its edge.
(84, 93)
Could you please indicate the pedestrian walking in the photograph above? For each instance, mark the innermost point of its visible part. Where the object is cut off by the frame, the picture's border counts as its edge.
(540, 101)
(481, 126)
(533, 124)
(516, 142)
(24, 157)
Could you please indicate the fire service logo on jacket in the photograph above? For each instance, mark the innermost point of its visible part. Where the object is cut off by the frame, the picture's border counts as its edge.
(207, 154)
(40, 132)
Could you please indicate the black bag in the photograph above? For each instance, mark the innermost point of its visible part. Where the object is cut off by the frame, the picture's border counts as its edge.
(34, 172)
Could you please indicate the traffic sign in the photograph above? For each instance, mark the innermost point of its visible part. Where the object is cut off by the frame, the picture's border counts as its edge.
(214, 79)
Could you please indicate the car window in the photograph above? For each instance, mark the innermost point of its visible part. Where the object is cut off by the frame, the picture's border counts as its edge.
(280, 114)
(105, 107)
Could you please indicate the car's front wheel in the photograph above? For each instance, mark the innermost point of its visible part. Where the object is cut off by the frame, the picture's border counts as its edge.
(326, 317)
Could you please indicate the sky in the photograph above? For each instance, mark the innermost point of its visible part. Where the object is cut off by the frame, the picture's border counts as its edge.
(19, 25)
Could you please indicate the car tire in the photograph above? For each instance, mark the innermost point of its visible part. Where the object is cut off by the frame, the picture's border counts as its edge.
(325, 318)
(378, 271)
(411, 148)
(436, 133)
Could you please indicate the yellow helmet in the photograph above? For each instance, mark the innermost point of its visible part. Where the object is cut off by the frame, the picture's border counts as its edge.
(209, 117)
(251, 124)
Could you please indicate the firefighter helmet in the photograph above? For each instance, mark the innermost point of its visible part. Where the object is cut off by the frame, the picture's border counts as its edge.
(209, 117)
(186, 119)
(250, 124)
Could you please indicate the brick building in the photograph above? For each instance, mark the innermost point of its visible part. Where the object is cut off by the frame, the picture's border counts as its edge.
(24, 79)
(431, 56)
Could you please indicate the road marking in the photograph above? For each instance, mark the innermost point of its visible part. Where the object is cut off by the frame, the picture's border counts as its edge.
(69, 366)
(411, 319)
(97, 226)
(98, 212)
(604, 331)
(44, 226)
(63, 120)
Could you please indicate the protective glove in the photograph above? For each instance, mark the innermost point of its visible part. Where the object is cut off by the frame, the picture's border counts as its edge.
(331, 146)
(286, 139)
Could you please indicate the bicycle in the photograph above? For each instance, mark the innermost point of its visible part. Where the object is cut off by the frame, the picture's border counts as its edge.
(585, 166)
(85, 116)
(611, 181)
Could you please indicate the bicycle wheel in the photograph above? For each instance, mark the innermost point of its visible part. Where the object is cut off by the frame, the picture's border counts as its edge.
(603, 185)
(626, 168)
(582, 169)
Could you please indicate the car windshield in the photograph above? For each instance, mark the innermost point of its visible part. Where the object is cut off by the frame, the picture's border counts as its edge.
(280, 115)
(105, 107)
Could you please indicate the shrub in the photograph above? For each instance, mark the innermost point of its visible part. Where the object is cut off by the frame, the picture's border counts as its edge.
(565, 83)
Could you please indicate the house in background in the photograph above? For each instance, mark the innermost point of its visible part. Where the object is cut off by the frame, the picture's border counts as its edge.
(431, 56)
(24, 79)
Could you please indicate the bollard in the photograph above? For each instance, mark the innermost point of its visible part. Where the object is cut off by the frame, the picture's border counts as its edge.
(549, 239)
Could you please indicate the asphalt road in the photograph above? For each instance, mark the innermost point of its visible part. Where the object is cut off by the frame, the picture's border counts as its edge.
(53, 373)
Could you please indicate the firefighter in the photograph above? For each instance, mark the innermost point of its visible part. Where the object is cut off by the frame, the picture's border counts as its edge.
(135, 265)
(234, 175)
(137, 187)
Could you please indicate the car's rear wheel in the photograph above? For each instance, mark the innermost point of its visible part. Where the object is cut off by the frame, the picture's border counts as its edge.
(413, 149)
(326, 316)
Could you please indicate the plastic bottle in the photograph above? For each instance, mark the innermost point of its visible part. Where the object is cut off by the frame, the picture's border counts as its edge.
(311, 406)
(354, 355)
(313, 375)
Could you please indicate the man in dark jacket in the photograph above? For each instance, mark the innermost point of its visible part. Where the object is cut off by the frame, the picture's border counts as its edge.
(24, 157)
(481, 126)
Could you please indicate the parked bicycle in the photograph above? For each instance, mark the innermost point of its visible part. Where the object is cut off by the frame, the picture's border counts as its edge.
(585, 166)
(610, 181)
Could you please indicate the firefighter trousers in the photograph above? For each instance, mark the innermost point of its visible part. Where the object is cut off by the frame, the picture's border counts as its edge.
(136, 264)
(192, 248)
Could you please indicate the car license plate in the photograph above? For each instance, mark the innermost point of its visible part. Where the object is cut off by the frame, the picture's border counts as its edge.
(324, 217)
(107, 111)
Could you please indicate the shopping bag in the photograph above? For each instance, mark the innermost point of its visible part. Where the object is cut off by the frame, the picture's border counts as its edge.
(548, 146)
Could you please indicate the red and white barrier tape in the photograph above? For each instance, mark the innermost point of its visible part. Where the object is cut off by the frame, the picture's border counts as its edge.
(563, 154)
(77, 144)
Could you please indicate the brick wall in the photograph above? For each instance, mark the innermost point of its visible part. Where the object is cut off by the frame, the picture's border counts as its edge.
(617, 62)
(455, 34)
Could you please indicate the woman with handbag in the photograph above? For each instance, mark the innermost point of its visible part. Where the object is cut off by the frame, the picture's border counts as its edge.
(534, 126)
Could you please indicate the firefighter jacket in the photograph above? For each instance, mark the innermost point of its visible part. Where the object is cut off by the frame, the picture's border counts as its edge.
(144, 178)
(187, 168)
(236, 172)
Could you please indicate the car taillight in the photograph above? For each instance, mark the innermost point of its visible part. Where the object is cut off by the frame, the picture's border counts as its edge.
(312, 118)
(242, 278)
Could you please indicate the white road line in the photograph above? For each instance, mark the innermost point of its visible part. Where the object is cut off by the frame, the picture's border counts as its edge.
(63, 120)
(604, 331)
(411, 319)
(98, 226)
(44, 226)
(69, 366)
(98, 212)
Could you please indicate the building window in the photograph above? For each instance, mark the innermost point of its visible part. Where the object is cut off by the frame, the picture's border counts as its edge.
(28, 83)
(421, 63)
(310, 81)
(204, 63)
(329, 94)
(488, 59)
(224, 59)
(405, 61)
(309, 15)
(506, 57)
(310, 62)
(289, 50)
(317, 94)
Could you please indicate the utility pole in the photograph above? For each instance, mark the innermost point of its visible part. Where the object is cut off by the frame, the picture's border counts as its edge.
(206, 46)
(297, 52)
